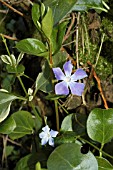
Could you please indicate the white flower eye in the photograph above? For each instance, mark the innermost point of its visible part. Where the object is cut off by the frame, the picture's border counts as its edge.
(68, 79)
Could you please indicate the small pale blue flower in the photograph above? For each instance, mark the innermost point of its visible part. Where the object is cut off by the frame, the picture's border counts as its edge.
(68, 80)
(47, 135)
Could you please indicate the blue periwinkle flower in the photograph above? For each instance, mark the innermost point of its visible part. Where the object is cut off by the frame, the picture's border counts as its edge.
(68, 80)
(47, 135)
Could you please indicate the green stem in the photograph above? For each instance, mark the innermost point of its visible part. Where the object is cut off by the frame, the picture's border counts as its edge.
(13, 65)
(33, 107)
(102, 145)
(4, 41)
(104, 153)
(7, 49)
(62, 107)
(87, 36)
(20, 80)
(57, 115)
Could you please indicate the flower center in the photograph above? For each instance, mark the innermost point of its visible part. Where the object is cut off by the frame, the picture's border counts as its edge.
(48, 134)
(68, 79)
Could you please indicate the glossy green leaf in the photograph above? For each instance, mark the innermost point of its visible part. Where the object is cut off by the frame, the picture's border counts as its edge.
(57, 37)
(82, 5)
(79, 120)
(43, 81)
(7, 126)
(67, 123)
(5, 103)
(69, 157)
(47, 23)
(66, 137)
(61, 8)
(6, 97)
(24, 124)
(100, 125)
(35, 13)
(104, 164)
(32, 46)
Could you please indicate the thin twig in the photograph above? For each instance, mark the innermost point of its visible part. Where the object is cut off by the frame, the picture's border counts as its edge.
(13, 9)
(69, 28)
(4, 17)
(18, 2)
(4, 157)
(98, 55)
(3, 11)
(87, 36)
(11, 141)
(99, 85)
(77, 58)
(10, 38)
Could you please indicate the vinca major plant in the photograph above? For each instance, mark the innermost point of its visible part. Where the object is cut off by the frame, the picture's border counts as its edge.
(56, 137)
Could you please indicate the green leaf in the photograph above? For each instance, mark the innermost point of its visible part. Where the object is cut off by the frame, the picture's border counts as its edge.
(54, 97)
(35, 13)
(47, 23)
(103, 164)
(24, 124)
(69, 157)
(7, 126)
(66, 137)
(5, 103)
(6, 59)
(43, 81)
(32, 46)
(82, 5)
(20, 69)
(20, 57)
(57, 36)
(9, 150)
(61, 8)
(38, 166)
(100, 125)
(67, 123)
(23, 163)
(8, 81)
(59, 59)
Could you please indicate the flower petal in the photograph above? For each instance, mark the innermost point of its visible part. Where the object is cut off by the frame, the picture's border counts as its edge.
(68, 68)
(53, 133)
(51, 141)
(44, 141)
(46, 129)
(76, 88)
(62, 88)
(42, 135)
(58, 73)
(79, 74)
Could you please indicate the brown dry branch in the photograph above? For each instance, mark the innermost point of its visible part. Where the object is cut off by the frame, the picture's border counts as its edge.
(99, 85)
(13, 9)
(69, 28)
(8, 37)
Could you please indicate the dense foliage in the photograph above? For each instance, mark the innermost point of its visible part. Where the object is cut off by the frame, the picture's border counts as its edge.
(56, 101)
